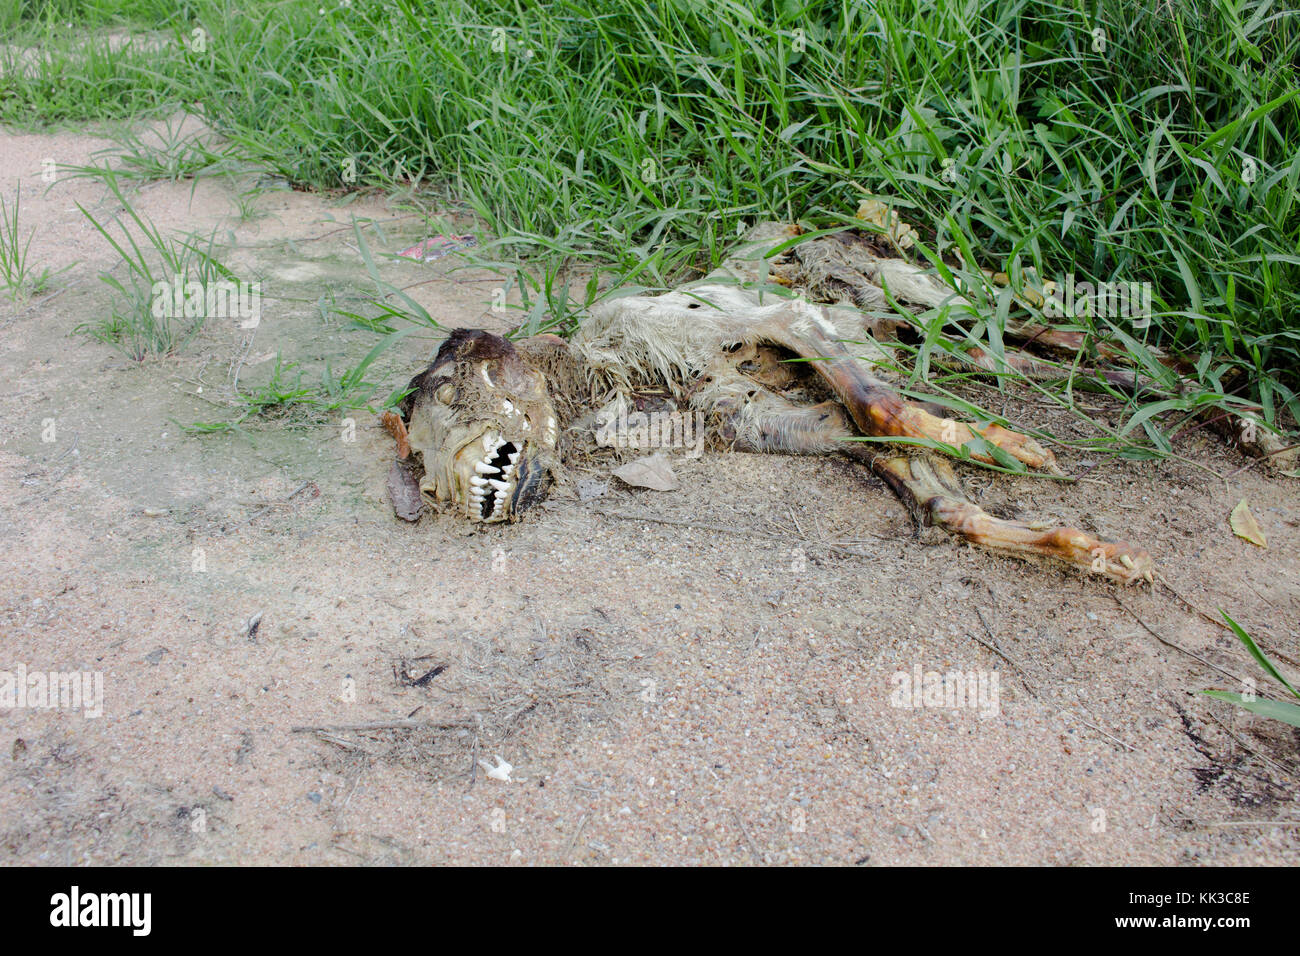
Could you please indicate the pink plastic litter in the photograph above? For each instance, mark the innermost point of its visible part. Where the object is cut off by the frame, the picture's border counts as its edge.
(435, 247)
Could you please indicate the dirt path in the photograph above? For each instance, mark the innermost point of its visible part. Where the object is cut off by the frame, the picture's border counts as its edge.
(723, 693)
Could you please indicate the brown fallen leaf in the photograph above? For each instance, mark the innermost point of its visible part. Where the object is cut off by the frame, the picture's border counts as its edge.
(404, 491)
(653, 472)
(1245, 526)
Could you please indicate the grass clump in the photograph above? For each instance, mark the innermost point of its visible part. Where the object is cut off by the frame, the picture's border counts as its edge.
(166, 295)
(286, 398)
(21, 280)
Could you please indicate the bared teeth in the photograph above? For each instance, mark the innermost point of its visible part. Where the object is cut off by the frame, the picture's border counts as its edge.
(493, 477)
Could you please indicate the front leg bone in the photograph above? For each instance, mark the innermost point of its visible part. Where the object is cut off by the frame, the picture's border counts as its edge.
(878, 409)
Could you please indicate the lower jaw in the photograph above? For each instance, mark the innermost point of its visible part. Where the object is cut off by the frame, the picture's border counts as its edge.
(474, 510)
(500, 509)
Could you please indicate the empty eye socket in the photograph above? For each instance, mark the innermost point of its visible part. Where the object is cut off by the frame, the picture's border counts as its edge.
(445, 393)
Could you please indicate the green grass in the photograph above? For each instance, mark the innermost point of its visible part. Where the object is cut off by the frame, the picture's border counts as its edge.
(1283, 710)
(286, 397)
(639, 138)
(142, 320)
(167, 153)
(20, 278)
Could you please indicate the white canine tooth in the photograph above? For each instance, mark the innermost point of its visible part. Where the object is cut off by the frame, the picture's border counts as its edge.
(483, 468)
(514, 458)
(498, 485)
(478, 482)
(505, 472)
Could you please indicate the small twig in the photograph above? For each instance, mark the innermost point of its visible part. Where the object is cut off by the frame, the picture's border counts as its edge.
(1248, 823)
(269, 505)
(1128, 747)
(1256, 461)
(795, 520)
(341, 742)
(1255, 753)
(1024, 676)
(753, 847)
(234, 385)
(568, 850)
(356, 222)
(356, 782)
(1178, 647)
(398, 724)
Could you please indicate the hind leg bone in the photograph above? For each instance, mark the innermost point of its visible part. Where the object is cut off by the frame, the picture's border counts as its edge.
(753, 418)
(929, 487)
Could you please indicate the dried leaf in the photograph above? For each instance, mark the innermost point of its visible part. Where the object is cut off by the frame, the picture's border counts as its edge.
(404, 491)
(653, 472)
(1245, 526)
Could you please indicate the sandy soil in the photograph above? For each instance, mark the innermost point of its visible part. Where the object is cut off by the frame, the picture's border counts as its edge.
(695, 677)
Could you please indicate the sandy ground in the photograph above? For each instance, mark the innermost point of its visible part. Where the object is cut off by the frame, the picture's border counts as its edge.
(696, 677)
